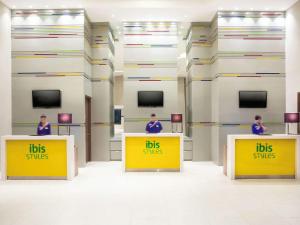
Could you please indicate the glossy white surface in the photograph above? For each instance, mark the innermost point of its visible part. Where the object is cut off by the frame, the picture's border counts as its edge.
(231, 149)
(70, 151)
(103, 195)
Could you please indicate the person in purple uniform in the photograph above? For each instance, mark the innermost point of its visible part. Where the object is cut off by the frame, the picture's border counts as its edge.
(44, 127)
(153, 126)
(258, 127)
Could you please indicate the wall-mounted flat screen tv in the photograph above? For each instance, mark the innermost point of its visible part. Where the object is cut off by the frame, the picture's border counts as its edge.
(253, 99)
(46, 98)
(150, 99)
(118, 116)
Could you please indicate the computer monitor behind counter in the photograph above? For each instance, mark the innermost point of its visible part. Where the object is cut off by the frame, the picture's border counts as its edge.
(64, 120)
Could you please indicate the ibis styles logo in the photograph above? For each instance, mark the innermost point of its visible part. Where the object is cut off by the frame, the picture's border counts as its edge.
(36, 152)
(152, 147)
(264, 151)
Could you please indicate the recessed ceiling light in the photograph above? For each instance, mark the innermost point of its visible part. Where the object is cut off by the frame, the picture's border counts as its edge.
(220, 8)
(46, 6)
(112, 15)
(63, 6)
(185, 16)
(13, 6)
(251, 9)
(266, 8)
(236, 8)
(30, 7)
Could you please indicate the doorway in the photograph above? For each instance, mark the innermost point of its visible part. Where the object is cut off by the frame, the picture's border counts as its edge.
(88, 129)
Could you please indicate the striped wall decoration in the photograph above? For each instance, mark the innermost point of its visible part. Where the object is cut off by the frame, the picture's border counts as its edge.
(48, 54)
(150, 46)
(151, 78)
(149, 28)
(251, 14)
(47, 12)
(236, 55)
(39, 36)
(48, 74)
(150, 64)
(46, 31)
(250, 75)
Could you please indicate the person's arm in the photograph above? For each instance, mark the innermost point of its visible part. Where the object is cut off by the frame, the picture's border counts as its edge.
(161, 127)
(49, 127)
(255, 129)
(261, 125)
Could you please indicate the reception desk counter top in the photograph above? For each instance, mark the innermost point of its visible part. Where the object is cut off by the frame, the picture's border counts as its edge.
(37, 157)
(263, 156)
(152, 152)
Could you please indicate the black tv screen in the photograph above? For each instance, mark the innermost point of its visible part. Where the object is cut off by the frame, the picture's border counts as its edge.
(118, 116)
(253, 99)
(150, 99)
(46, 99)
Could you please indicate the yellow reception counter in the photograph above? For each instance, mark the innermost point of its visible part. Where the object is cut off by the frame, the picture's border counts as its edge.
(37, 157)
(152, 152)
(263, 156)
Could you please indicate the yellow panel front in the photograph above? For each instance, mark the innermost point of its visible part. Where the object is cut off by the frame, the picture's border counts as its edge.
(265, 157)
(152, 153)
(36, 158)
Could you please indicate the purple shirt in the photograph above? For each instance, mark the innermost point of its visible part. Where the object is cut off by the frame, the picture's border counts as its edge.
(257, 129)
(44, 130)
(154, 127)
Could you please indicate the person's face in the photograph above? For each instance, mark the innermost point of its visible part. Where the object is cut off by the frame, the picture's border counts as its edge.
(259, 120)
(43, 120)
(153, 118)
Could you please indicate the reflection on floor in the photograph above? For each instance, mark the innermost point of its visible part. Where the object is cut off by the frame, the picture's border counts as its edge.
(103, 195)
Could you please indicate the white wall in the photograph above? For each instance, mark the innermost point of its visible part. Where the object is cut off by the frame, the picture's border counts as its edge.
(33, 68)
(136, 117)
(150, 63)
(118, 90)
(228, 104)
(25, 117)
(252, 63)
(199, 90)
(102, 90)
(5, 70)
(292, 57)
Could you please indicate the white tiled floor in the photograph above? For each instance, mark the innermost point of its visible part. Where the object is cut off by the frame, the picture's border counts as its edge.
(103, 195)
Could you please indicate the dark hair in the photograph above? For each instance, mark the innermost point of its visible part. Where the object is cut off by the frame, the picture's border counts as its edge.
(257, 117)
(153, 115)
(43, 116)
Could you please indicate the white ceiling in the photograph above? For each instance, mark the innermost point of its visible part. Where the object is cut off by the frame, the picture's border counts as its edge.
(115, 11)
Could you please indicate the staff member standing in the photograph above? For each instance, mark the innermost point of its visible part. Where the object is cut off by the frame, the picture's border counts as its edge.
(258, 127)
(44, 127)
(153, 126)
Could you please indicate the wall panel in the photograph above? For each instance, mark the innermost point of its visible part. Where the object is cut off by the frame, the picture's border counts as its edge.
(5, 71)
(48, 53)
